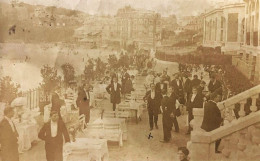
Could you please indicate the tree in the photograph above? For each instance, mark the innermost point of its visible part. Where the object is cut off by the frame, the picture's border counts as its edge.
(68, 73)
(8, 90)
(112, 61)
(89, 70)
(50, 77)
(100, 67)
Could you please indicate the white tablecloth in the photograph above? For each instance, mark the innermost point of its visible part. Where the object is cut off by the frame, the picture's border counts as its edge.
(28, 132)
(135, 108)
(118, 121)
(86, 149)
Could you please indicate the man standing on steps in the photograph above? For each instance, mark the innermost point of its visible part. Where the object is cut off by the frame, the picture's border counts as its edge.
(195, 101)
(212, 116)
(153, 99)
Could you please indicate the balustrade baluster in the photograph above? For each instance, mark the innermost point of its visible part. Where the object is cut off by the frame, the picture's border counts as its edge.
(242, 112)
(253, 107)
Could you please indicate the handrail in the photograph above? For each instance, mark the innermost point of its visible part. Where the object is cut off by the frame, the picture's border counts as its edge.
(237, 125)
(239, 97)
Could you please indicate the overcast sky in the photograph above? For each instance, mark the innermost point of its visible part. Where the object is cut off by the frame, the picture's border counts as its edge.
(164, 7)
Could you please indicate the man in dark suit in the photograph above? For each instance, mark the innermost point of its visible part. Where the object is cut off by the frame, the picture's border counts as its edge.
(195, 81)
(214, 84)
(161, 86)
(177, 85)
(166, 109)
(175, 110)
(195, 101)
(153, 99)
(8, 137)
(83, 101)
(124, 79)
(212, 116)
(201, 88)
(52, 133)
(114, 89)
(187, 87)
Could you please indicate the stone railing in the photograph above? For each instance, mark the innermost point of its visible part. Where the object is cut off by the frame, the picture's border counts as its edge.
(240, 140)
(242, 101)
(236, 134)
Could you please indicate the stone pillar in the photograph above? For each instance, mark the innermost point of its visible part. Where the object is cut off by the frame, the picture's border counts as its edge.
(198, 118)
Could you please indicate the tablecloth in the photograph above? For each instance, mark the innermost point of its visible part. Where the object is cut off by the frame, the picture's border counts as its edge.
(86, 149)
(28, 132)
(119, 121)
(103, 133)
(135, 107)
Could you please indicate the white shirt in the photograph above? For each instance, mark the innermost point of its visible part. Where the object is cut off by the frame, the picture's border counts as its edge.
(11, 123)
(162, 86)
(54, 129)
(115, 86)
(87, 94)
(152, 94)
(178, 82)
(193, 97)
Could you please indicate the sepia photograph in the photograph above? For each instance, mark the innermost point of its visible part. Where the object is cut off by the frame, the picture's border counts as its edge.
(129, 80)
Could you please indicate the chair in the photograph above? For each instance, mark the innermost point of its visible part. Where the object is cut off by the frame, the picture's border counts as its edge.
(82, 122)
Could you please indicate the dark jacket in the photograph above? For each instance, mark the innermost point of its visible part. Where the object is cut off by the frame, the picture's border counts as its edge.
(173, 98)
(212, 117)
(195, 82)
(158, 87)
(187, 87)
(167, 106)
(115, 96)
(54, 145)
(153, 104)
(179, 91)
(196, 103)
(8, 141)
(83, 101)
(213, 87)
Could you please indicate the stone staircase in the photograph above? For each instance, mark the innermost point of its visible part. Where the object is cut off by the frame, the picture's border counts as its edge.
(240, 134)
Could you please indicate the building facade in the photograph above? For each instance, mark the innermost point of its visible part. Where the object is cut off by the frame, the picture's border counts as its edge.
(248, 62)
(224, 27)
(138, 26)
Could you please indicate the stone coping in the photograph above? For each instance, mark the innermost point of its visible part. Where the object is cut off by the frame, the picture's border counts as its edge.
(239, 97)
(228, 129)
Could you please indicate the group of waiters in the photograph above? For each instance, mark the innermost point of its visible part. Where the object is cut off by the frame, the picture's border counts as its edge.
(167, 96)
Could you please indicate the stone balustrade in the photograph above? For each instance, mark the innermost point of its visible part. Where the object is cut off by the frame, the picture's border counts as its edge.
(228, 107)
(240, 140)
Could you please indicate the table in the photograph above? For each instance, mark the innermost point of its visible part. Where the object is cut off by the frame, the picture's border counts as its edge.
(119, 121)
(86, 149)
(132, 105)
(28, 132)
(111, 132)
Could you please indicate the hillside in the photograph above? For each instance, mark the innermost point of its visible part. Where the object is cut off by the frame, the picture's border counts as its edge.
(34, 24)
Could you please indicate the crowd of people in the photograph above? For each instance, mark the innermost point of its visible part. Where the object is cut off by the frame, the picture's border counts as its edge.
(166, 95)
(169, 95)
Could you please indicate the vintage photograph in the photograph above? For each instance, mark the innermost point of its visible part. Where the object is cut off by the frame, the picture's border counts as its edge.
(129, 80)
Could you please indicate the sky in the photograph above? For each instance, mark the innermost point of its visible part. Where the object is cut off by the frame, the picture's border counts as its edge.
(164, 7)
